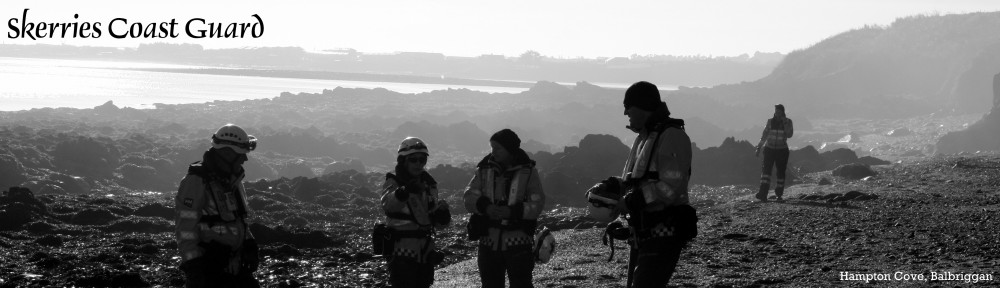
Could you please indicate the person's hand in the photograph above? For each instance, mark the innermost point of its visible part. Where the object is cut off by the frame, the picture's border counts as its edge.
(416, 187)
(496, 212)
(503, 212)
(251, 255)
(234, 264)
(401, 194)
(757, 152)
(492, 212)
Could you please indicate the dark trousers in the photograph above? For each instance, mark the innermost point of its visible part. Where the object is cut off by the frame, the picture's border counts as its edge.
(516, 262)
(654, 262)
(773, 157)
(405, 272)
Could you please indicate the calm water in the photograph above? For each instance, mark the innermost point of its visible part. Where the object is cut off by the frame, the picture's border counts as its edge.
(38, 83)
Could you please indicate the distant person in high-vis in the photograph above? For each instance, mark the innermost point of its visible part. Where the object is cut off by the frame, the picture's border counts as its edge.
(506, 198)
(774, 141)
(413, 211)
(213, 236)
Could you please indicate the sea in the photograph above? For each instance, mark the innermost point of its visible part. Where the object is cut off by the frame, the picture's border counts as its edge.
(27, 83)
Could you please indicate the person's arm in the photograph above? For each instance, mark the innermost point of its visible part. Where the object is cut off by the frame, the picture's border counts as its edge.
(246, 205)
(391, 192)
(189, 203)
(474, 200)
(788, 128)
(763, 135)
(534, 200)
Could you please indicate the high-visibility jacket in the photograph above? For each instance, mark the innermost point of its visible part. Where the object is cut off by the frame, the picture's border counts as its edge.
(776, 133)
(517, 187)
(659, 167)
(411, 219)
(213, 209)
(659, 163)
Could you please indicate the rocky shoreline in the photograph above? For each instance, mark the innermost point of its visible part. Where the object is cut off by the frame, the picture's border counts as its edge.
(126, 239)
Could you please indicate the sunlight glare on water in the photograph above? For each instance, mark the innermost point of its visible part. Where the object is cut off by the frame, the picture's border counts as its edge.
(39, 83)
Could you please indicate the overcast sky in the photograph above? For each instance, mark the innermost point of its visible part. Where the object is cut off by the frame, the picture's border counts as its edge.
(561, 28)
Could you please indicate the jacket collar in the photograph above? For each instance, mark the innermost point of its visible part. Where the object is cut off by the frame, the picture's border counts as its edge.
(521, 161)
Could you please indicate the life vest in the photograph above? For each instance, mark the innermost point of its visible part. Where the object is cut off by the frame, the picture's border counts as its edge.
(505, 233)
(228, 204)
(417, 206)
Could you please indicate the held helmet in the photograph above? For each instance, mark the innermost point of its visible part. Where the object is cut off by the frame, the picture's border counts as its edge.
(545, 245)
(234, 137)
(603, 198)
(412, 145)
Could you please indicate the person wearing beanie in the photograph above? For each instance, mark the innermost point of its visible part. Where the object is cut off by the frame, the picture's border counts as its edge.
(413, 211)
(505, 198)
(654, 183)
(774, 140)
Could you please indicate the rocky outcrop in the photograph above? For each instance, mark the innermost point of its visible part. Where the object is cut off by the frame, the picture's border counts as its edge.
(567, 175)
(854, 171)
(11, 171)
(981, 136)
(18, 206)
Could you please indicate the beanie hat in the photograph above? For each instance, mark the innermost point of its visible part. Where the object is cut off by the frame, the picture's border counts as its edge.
(508, 139)
(779, 107)
(412, 145)
(642, 95)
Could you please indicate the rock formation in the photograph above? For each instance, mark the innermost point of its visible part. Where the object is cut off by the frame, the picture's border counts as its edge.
(981, 136)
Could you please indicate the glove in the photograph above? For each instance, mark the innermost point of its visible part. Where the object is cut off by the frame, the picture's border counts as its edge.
(416, 187)
(251, 255)
(497, 212)
(194, 266)
(635, 202)
(216, 256)
(195, 270)
(401, 194)
(613, 185)
(482, 204)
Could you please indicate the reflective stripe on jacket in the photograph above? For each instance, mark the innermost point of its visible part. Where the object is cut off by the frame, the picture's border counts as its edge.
(519, 188)
(671, 163)
(409, 217)
(776, 136)
(207, 211)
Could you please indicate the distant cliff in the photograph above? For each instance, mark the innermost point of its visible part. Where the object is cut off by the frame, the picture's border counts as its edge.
(982, 136)
(916, 65)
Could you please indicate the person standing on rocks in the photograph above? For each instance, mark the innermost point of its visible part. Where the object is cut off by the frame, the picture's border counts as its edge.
(413, 211)
(774, 140)
(654, 183)
(213, 235)
(506, 198)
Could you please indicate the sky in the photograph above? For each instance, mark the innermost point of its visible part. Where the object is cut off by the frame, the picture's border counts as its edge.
(555, 28)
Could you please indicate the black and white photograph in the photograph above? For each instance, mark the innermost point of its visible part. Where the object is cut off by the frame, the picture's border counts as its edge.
(548, 144)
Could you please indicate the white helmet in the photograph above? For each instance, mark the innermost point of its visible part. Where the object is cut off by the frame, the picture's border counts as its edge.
(545, 245)
(412, 145)
(234, 137)
(603, 200)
